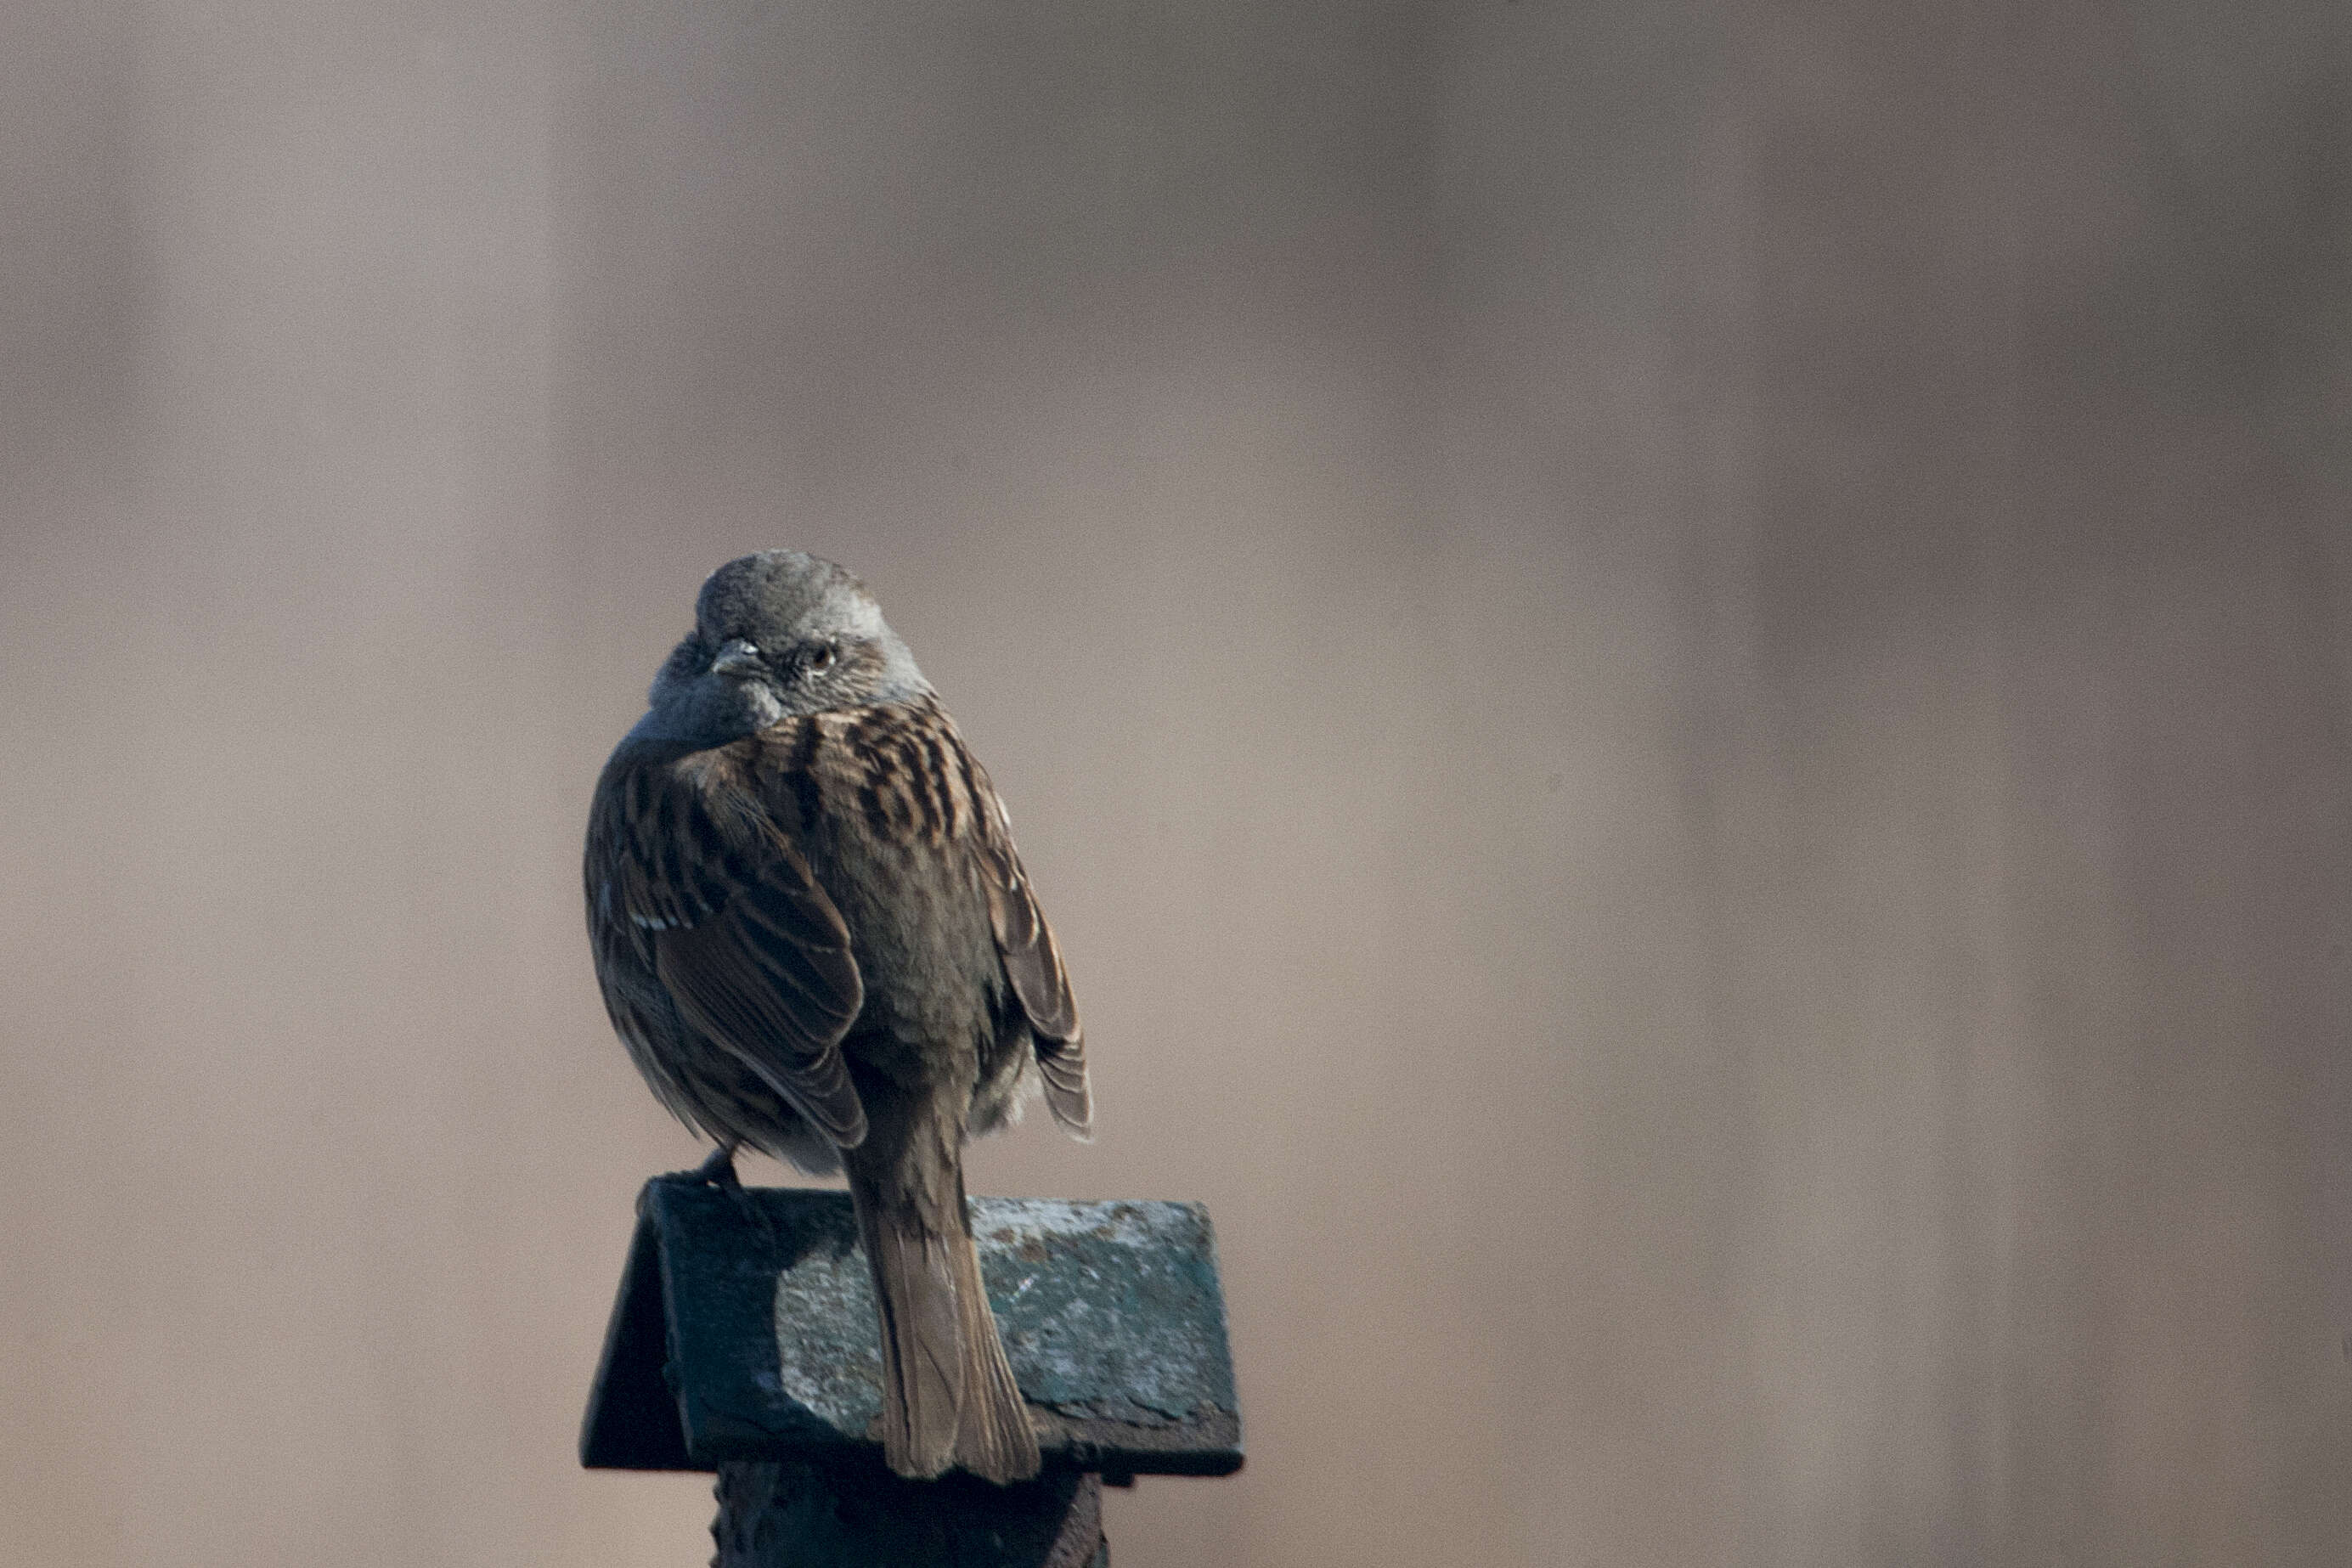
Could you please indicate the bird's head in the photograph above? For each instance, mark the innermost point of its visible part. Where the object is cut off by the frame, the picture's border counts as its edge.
(779, 634)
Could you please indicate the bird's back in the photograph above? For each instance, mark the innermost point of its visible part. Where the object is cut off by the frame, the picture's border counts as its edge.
(894, 819)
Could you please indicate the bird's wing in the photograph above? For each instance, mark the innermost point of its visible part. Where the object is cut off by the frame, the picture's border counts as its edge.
(1032, 961)
(732, 920)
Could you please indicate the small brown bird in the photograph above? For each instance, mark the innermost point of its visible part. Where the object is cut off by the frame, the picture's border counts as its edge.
(815, 938)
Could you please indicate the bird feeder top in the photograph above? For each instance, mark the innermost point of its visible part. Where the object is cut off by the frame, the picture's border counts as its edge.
(745, 1328)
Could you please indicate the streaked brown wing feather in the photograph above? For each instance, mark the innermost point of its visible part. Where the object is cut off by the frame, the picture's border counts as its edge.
(747, 943)
(1032, 964)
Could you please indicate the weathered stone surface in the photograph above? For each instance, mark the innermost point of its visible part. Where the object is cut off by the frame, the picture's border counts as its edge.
(745, 1330)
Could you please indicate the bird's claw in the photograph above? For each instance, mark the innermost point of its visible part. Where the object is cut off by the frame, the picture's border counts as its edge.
(717, 1170)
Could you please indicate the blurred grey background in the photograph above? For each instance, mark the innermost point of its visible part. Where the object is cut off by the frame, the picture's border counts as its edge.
(1677, 672)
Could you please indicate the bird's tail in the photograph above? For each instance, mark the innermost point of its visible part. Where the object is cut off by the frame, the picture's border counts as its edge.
(948, 1395)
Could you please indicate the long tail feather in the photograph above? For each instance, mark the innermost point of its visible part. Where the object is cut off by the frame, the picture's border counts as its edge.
(993, 1438)
(948, 1397)
(922, 1333)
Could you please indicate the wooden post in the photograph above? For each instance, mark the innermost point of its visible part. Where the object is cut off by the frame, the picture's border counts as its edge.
(797, 1514)
(744, 1341)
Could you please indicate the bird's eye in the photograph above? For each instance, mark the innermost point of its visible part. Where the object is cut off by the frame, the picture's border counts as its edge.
(820, 659)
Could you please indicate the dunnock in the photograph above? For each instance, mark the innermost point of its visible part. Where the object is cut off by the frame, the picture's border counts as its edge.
(815, 938)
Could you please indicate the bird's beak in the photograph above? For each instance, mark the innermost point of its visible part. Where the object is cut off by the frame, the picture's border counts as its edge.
(737, 658)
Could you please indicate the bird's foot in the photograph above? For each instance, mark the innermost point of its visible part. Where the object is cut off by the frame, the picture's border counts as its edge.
(717, 1170)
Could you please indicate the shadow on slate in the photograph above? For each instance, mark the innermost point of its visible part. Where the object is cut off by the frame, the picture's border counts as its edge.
(745, 1330)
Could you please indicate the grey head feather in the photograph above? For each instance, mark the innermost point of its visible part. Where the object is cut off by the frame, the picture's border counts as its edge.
(777, 634)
